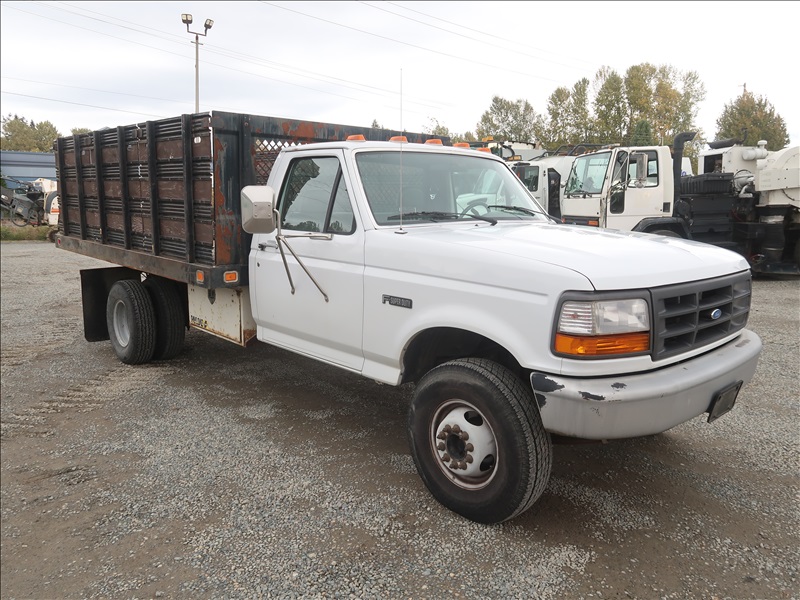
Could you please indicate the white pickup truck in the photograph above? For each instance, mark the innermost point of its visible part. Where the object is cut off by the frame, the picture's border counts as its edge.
(431, 264)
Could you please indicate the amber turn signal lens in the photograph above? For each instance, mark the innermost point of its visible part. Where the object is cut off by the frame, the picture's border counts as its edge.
(602, 345)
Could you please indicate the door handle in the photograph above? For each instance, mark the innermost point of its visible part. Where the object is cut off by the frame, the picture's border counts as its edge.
(271, 244)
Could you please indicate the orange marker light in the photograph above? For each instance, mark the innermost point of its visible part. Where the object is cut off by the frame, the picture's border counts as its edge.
(199, 276)
(434, 142)
(602, 345)
(399, 138)
(230, 277)
(356, 137)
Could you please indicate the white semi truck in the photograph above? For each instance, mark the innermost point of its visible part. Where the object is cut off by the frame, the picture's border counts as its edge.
(405, 262)
(744, 198)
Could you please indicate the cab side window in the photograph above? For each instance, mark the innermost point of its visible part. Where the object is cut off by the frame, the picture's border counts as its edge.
(315, 198)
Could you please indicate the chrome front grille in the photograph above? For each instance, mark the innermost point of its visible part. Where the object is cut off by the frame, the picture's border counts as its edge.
(692, 315)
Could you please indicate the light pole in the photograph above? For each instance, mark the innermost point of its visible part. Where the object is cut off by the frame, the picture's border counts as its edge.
(187, 18)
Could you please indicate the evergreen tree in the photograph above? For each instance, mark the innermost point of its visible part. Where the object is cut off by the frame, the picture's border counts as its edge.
(756, 117)
(642, 134)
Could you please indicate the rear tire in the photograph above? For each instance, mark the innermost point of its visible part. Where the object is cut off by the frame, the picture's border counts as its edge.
(131, 322)
(170, 317)
(478, 441)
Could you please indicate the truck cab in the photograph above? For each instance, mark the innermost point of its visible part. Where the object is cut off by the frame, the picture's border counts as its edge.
(629, 189)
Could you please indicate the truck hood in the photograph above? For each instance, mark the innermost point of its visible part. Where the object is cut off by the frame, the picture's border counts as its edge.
(608, 259)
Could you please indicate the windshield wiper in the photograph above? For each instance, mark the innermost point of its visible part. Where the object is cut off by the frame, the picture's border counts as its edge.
(581, 192)
(521, 209)
(436, 216)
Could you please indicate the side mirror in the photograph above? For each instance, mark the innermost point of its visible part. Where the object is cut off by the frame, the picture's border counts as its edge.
(641, 168)
(258, 212)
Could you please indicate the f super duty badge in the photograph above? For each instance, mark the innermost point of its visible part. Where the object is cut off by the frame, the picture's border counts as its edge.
(397, 301)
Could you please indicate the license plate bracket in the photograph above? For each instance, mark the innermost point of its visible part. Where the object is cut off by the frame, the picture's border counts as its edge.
(723, 401)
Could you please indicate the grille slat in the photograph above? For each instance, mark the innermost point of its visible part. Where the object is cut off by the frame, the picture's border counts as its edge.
(692, 315)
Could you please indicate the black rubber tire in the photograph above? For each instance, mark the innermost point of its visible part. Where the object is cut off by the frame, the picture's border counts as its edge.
(131, 321)
(171, 317)
(665, 233)
(18, 219)
(524, 451)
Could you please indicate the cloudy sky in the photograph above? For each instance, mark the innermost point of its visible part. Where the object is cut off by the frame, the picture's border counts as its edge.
(405, 64)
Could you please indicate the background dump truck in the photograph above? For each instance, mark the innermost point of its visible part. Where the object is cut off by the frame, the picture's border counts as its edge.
(407, 261)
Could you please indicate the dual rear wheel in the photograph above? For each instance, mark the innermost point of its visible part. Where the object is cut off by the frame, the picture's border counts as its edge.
(146, 320)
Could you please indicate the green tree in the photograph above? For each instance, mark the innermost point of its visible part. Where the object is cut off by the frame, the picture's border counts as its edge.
(605, 111)
(639, 84)
(79, 130)
(558, 113)
(642, 134)
(578, 122)
(755, 116)
(437, 129)
(23, 136)
(506, 120)
(610, 116)
(376, 125)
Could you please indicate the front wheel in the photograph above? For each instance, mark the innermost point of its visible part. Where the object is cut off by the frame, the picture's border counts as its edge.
(478, 441)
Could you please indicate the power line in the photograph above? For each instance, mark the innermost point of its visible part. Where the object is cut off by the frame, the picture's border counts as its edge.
(132, 112)
(478, 31)
(467, 37)
(235, 55)
(404, 43)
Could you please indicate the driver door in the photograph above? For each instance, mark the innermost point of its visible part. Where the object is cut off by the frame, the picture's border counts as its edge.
(638, 199)
(310, 278)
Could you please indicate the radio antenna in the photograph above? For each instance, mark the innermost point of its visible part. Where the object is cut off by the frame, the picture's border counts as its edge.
(402, 131)
(401, 99)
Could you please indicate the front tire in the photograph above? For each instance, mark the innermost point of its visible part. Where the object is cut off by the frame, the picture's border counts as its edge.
(131, 321)
(478, 441)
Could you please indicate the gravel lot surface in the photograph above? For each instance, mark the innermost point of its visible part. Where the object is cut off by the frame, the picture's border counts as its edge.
(244, 473)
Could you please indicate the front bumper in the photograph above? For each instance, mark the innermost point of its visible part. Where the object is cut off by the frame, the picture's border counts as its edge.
(628, 406)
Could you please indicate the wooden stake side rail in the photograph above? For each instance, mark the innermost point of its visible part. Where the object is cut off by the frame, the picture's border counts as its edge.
(163, 197)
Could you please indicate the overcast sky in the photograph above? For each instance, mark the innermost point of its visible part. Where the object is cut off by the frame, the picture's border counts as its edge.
(103, 64)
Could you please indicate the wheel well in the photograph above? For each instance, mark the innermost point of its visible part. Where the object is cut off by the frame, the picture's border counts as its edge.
(438, 345)
(95, 286)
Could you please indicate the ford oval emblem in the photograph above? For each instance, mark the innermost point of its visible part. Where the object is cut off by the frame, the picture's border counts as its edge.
(715, 314)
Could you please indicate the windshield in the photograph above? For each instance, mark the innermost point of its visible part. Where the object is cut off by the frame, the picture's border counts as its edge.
(587, 174)
(427, 186)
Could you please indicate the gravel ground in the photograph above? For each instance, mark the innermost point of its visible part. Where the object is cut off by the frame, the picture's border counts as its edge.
(245, 473)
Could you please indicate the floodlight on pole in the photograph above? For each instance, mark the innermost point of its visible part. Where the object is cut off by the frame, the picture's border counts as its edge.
(186, 18)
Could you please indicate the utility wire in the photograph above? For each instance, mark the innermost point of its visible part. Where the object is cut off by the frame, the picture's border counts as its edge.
(211, 49)
(404, 43)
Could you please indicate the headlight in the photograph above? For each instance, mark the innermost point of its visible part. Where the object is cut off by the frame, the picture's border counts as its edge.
(603, 327)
